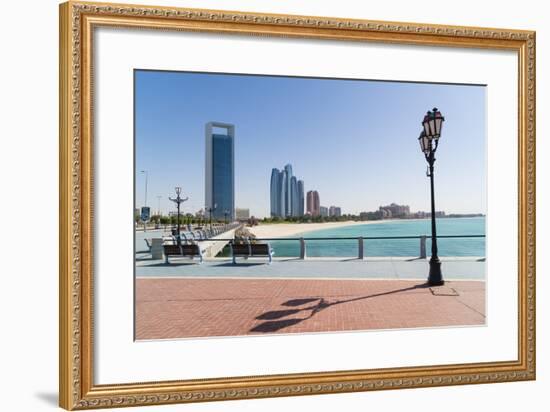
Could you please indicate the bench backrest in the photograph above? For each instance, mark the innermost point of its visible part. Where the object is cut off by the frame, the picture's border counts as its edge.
(240, 249)
(251, 249)
(185, 250)
(259, 248)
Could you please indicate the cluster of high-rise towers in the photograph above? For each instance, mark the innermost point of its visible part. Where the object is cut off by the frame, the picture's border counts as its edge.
(287, 197)
(287, 193)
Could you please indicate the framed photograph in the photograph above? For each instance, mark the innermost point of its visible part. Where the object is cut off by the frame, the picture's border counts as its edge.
(258, 205)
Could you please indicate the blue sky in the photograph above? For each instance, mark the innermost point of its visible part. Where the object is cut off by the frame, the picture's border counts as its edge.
(355, 141)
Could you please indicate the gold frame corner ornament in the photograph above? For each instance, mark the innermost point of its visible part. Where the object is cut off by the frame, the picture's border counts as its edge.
(76, 388)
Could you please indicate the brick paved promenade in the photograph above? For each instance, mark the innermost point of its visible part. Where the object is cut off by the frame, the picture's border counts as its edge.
(190, 307)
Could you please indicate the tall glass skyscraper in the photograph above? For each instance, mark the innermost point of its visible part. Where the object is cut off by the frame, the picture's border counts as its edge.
(287, 193)
(300, 197)
(220, 170)
(293, 196)
(288, 190)
(277, 192)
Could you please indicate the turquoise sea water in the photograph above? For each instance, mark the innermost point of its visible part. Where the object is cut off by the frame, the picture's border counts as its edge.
(391, 247)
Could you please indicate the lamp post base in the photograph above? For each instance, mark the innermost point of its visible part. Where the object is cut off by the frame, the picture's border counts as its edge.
(435, 278)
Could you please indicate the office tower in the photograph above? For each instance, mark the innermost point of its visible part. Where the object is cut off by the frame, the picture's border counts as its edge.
(294, 196)
(284, 194)
(220, 170)
(300, 197)
(313, 204)
(274, 194)
(323, 211)
(288, 190)
(277, 192)
(335, 211)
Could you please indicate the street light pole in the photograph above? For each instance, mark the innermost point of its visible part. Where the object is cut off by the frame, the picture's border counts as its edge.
(178, 200)
(146, 179)
(146, 172)
(210, 210)
(158, 198)
(435, 276)
(429, 141)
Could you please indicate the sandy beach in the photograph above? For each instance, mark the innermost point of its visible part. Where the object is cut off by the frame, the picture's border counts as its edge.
(276, 230)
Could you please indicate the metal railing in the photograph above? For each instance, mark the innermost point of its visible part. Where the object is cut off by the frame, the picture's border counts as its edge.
(360, 241)
(204, 233)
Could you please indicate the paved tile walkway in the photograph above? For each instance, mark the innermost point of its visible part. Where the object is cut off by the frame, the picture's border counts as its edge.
(171, 308)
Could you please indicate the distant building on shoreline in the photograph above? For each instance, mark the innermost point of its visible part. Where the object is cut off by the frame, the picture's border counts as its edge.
(313, 203)
(286, 193)
(323, 211)
(335, 211)
(438, 213)
(220, 170)
(426, 215)
(394, 211)
(242, 214)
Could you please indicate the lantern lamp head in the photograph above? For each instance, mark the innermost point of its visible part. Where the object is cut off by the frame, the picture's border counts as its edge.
(425, 143)
(432, 123)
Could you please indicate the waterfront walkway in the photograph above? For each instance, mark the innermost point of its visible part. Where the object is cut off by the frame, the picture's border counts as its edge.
(180, 307)
(325, 268)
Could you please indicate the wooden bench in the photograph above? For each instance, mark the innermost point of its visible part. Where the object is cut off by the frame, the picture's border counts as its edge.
(191, 251)
(247, 250)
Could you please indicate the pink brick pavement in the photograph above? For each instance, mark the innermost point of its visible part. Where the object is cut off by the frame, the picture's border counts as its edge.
(181, 308)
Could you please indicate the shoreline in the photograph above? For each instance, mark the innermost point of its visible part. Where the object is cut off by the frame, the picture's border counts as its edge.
(280, 230)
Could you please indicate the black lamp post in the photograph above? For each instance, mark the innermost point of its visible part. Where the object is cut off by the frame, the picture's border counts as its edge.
(210, 210)
(178, 200)
(429, 140)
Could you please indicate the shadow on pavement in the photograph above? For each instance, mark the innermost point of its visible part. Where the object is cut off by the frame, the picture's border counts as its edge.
(276, 314)
(174, 264)
(245, 264)
(299, 302)
(274, 326)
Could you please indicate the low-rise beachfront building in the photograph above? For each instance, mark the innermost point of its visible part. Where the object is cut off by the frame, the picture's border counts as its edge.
(242, 213)
(395, 210)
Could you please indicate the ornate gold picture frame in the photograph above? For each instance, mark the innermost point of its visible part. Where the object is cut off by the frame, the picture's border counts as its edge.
(78, 20)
